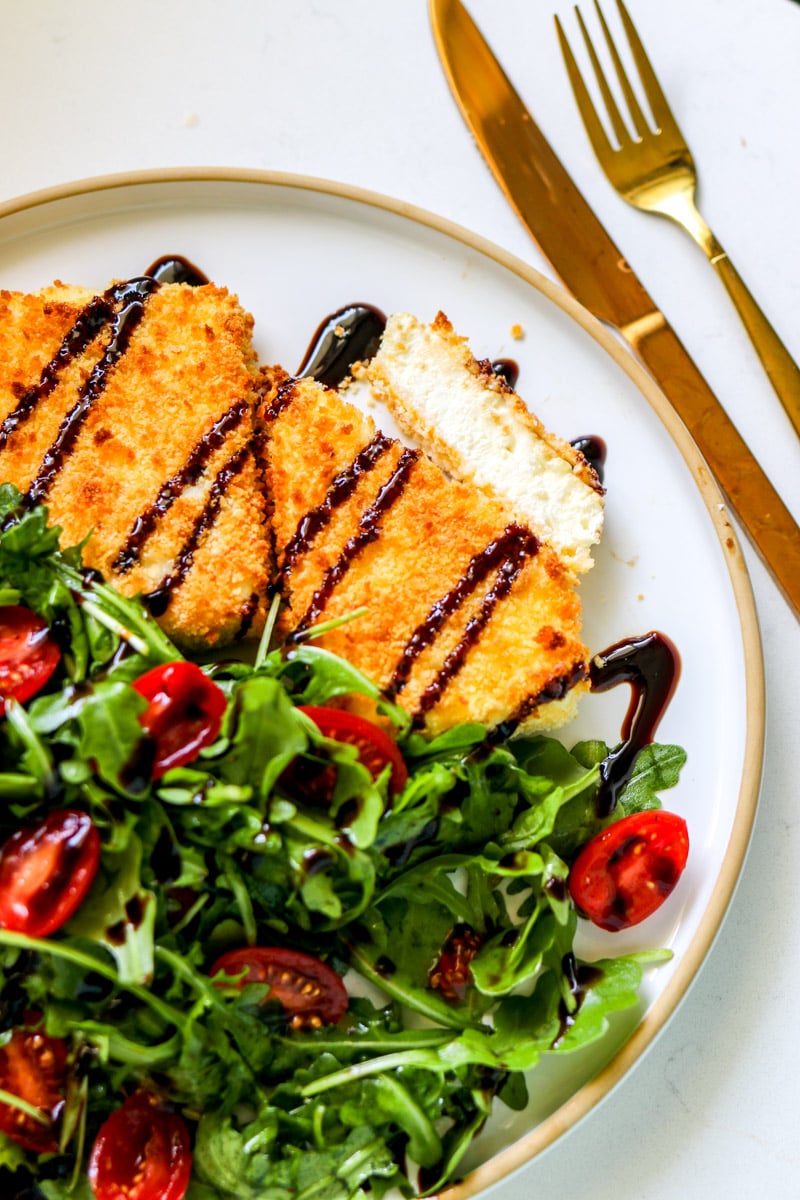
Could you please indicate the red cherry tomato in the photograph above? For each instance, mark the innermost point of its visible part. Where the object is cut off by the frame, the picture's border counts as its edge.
(376, 750)
(142, 1152)
(33, 1066)
(28, 654)
(46, 870)
(309, 990)
(626, 872)
(184, 714)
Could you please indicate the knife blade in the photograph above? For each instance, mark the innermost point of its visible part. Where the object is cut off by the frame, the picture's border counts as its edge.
(597, 274)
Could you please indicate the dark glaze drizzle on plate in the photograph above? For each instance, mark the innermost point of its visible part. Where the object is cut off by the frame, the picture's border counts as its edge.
(346, 337)
(507, 369)
(651, 665)
(593, 449)
(174, 268)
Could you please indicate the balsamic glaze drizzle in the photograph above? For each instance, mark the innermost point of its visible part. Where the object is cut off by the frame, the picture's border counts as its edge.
(89, 324)
(554, 689)
(505, 553)
(520, 544)
(651, 665)
(283, 397)
(131, 297)
(158, 600)
(507, 369)
(339, 491)
(174, 268)
(348, 336)
(145, 524)
(368, 531)
(593, 449)
(580, 978)
(248, 612)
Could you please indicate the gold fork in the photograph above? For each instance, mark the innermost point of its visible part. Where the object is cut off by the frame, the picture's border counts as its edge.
(653, 169)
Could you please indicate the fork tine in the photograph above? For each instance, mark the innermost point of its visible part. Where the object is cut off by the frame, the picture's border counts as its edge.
(637, 116)
(594, 127)
(619, 126)
(652, 88)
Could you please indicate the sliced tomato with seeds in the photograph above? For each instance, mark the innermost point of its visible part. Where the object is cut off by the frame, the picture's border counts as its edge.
(309, 991)
(33, 1066)
(627, 871)
(184, 713)
(28, 654)
(142, 1152)
(46, 871)
(376, 750)
(452, 974)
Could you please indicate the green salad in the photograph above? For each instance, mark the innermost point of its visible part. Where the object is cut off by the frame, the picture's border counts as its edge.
(254, 946)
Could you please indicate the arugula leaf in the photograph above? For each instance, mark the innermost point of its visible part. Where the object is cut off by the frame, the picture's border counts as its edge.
(120, 914)
(226, 852)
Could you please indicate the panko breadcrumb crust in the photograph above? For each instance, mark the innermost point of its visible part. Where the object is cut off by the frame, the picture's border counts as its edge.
(206, 483)
(189, 361)
(527, 655)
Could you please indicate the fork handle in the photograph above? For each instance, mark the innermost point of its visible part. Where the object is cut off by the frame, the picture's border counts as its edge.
(783, 371)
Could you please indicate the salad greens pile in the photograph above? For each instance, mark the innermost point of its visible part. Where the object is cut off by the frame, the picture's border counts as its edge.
(226, 852)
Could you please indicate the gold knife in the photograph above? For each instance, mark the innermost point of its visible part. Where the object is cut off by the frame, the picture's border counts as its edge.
(589, 264)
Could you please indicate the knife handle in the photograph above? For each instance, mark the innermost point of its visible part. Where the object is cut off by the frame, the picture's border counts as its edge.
(766, 519)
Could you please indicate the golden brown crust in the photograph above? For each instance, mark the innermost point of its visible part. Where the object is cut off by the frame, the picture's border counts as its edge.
(189, 365)
(202, 480)
(425, 542)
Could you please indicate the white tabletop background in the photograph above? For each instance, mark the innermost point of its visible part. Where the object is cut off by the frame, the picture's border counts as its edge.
(352, 91)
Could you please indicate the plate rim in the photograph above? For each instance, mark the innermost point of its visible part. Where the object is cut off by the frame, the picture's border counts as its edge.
(570, 1113)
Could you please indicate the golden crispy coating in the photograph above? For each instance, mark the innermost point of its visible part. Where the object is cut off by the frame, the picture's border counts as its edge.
(468, 616)
(140, 418)
(131, 416)
(476, 427)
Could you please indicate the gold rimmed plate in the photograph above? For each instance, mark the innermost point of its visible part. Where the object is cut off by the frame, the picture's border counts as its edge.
(295, 250)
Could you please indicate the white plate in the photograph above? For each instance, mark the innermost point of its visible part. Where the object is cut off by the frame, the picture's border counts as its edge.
(295, 250)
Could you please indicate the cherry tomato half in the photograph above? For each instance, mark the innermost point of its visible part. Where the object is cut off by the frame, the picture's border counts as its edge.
(28, 654)
(33, 1066)
(376, 750)
(309, 991)
(46, 870)
(184, 714)
(626, 872)
(142, 1152)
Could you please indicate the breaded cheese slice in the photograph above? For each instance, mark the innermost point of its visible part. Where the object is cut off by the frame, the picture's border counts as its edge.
(475, 427)
(130, 414)
(467, 616)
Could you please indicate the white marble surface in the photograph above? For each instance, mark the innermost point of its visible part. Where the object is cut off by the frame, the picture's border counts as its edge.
(353, 92)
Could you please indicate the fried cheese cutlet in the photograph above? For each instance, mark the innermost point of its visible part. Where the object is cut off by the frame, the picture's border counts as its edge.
(130, 414)
(468, 615)
(475, 427)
